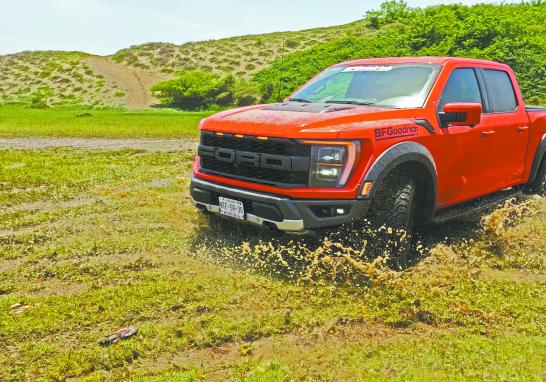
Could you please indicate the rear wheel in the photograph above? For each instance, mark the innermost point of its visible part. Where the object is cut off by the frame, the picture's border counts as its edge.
(393, 215)
(538, 186)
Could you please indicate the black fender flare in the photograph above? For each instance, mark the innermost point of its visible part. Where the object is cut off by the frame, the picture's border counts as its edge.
(399, 154)
(539, 156)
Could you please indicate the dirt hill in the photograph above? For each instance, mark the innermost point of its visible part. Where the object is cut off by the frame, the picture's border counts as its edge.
(134, 82)
(124, 79)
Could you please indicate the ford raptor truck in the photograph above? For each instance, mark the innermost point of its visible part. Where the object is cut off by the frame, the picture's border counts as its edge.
(410, 140)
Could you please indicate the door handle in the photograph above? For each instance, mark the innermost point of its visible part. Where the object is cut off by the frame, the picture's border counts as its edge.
(488, 133)
(523, 129)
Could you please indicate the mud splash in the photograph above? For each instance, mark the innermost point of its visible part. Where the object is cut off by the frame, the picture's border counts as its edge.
(358, 255)
(349, 255)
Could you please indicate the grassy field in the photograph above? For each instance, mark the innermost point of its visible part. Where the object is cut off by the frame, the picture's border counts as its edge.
(21, 121)
(91, 241)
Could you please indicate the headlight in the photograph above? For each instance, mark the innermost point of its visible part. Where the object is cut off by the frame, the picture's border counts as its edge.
(332, 162)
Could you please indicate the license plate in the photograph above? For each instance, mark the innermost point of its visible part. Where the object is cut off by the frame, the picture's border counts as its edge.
(232, 208)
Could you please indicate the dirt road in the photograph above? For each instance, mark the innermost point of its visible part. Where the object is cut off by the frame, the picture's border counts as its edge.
(135, 82)
(152, 145)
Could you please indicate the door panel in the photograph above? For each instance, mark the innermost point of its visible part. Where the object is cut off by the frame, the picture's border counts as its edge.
(474, 147)
(510, 149)
(473, 176)
(511, 126)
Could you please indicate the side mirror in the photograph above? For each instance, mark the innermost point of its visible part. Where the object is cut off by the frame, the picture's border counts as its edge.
(461, 114)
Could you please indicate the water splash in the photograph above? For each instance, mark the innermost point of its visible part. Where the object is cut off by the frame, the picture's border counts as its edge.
(350, 255)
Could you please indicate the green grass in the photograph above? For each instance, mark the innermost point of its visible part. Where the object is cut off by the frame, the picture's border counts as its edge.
(20, 121)
(127, 256)
(433, 357)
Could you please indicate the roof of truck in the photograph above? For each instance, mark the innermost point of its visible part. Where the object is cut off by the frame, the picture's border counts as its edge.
(418, 60)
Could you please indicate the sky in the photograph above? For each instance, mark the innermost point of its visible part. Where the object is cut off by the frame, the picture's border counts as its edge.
(106, 26)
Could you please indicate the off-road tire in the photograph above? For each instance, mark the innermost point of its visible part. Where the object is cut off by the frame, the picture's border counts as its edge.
(538, 186)
(393, 215)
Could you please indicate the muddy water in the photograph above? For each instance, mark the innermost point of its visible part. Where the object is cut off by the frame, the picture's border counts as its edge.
(351, 255)
(347, 256)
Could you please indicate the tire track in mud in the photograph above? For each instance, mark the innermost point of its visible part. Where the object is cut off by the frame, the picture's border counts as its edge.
(217, 362)
(80, 201)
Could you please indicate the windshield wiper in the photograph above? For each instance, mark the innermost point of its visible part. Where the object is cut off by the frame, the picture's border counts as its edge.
(347, 102)
(302, 100)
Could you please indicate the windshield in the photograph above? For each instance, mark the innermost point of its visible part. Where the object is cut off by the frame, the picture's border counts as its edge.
(397, 86)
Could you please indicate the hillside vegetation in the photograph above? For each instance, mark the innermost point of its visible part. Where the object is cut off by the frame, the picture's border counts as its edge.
(67, 78)
(241, 56)
(58, 77)
(514, 34)
(240, 70)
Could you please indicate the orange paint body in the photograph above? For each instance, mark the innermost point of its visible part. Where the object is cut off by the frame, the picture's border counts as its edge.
(471, 161)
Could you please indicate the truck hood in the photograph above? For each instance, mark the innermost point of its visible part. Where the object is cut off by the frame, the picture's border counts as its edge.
(301, 120)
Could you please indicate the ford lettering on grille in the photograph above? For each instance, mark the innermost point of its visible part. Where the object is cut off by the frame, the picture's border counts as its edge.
(258, 160)
(276, 161)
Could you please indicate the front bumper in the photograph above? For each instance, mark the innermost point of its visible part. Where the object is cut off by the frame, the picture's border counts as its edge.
(284, 214)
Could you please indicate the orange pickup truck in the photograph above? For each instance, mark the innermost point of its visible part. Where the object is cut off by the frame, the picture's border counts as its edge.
(414, 140)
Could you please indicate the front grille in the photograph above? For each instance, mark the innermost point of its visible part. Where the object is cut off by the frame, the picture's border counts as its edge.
(294, 155)
(266, 176)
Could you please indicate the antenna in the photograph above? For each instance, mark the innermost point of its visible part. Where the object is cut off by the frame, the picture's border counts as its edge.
(281, 79)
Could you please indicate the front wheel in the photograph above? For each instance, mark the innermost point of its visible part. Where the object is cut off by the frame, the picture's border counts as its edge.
(393, 215)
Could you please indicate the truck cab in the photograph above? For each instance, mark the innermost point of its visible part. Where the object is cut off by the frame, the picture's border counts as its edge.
(406, 140)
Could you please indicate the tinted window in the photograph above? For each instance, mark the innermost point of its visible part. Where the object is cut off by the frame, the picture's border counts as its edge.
(499, 91)
(462, 86)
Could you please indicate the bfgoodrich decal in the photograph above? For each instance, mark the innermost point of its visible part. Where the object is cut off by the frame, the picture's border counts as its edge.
(395, 132)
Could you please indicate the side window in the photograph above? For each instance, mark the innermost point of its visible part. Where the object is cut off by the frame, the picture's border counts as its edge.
(462, 86)
(500, 91)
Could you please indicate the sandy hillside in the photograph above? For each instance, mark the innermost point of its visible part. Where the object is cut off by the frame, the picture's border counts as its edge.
(124, 79)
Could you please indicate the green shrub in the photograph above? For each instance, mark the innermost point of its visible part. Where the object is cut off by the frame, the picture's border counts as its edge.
(38, 99)
(83, 114)
(390, 11)
(291, 44)
(224, 99)
(246, 93)
(195, 90)
(38, 103)
(192, 90)
(44, 74)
